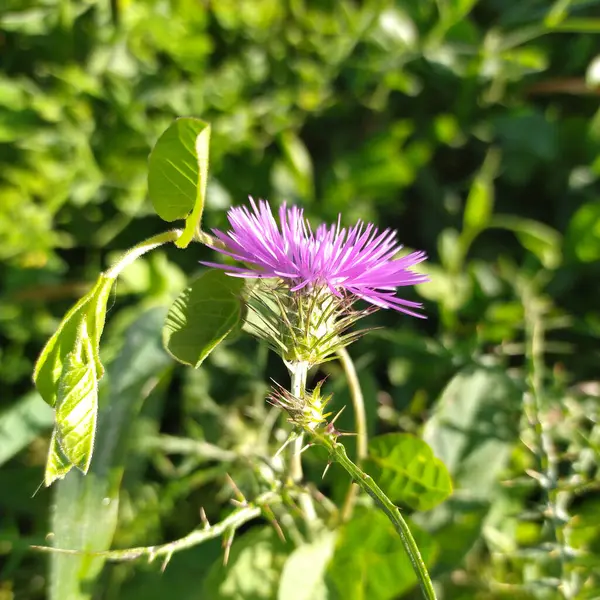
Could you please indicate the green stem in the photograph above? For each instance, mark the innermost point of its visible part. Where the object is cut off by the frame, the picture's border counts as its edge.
(140, 249)
(534, 408)
(360, 419)
(234, 521)
(337, 453)
(299, 373)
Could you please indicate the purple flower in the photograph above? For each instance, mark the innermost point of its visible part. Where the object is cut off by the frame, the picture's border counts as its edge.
(358, 261)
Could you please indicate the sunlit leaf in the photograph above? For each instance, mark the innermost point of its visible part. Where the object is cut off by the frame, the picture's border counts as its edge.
(178, 172)
(202, 316)
(407, 470)
(76, 409)
(51, 362)
(57, 464)
(86, 507)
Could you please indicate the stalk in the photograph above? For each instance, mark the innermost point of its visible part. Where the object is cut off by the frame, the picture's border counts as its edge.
(360, 420)
(299, 373)
(337, 453)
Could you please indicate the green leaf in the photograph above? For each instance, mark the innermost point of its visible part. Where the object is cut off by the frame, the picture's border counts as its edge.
(96, 316)
(178, 172)
(480, 202)
(21, 424)
(86, 507)
(202, 316)
(407, 470)
(76, 410)
(57, 464)
(303, 576)
(252, 573)
(51, 362)
(370, 561)
(473, 428)
(583, 234)
(67, 374)
(539, 239)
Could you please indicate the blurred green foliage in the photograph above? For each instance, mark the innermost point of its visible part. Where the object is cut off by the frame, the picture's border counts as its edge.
(471, 126)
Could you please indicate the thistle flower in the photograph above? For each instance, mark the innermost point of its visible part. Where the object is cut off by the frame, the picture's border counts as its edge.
(357, 262)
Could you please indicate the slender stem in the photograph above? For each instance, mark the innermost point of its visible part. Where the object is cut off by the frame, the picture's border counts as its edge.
(299, 373)
(139, 249)
(337, 453)
(232, 522)
(360, 419)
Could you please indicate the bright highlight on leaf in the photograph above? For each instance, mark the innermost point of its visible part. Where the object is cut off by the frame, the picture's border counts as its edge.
(407, 470)
(66, 375)
(203, 316)
(178, 172)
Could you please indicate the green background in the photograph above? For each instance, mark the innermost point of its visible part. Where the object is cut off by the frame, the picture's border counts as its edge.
(471, 127)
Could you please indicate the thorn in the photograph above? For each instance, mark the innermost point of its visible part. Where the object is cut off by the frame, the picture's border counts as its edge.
(306, 447)
(166, 562)
(236, 490)
(227, 542)
(39, 487)
(338, 414)
(271, 517)
(290, 439)
(203, 518)
(291, 502)
(325, 471)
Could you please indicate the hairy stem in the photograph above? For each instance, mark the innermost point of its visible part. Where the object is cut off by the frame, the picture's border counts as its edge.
(337, 453)
(360, 419)
(140, 249)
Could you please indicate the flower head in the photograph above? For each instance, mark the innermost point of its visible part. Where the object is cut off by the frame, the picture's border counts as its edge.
(358, 261)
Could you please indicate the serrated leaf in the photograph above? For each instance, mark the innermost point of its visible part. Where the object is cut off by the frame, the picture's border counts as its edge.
(178, 172)
(370, 561)
(76, 410)
(202, 316)
(408, 471)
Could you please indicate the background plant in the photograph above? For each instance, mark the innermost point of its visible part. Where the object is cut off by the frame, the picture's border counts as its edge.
(472, 127)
